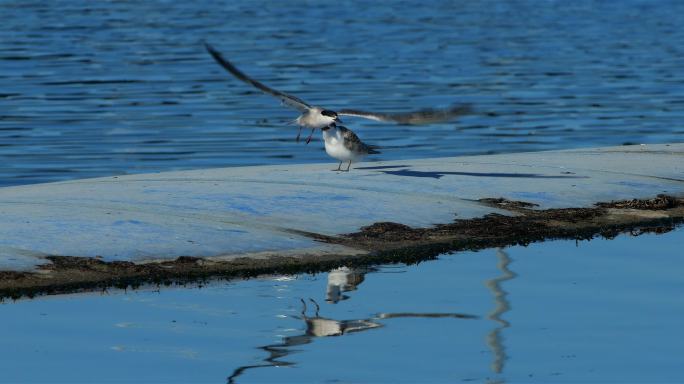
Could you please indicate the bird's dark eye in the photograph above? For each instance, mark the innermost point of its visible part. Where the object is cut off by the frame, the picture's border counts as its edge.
(328, 113)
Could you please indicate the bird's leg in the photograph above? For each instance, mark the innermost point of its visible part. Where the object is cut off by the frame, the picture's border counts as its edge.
(299, 133)
(303, 307)
(316, 304)
(349, 165)
(308, 139)
(339, 168)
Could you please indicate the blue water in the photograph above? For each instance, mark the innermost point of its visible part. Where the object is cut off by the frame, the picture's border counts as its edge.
(599, 311)
(116, 87)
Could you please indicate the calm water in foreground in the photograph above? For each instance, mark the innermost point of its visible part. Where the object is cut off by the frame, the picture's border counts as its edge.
(114, 87)
(594, 311)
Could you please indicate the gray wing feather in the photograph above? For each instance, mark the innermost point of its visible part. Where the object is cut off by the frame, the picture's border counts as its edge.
(354, 144)
(423, 116)
(289, 100)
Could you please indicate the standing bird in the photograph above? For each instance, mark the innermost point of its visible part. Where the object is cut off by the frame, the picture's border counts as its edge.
(343, 145)
(317, 117)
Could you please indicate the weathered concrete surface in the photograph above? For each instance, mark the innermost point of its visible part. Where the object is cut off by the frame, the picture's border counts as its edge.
(265, 211)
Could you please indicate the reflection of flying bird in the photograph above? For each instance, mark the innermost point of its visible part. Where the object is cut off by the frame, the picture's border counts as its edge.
(317, 117)
(318, 326)
(343, 145)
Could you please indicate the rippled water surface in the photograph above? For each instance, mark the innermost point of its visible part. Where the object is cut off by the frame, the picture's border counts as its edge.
(102, 88)
(116, 87)
(599, 311)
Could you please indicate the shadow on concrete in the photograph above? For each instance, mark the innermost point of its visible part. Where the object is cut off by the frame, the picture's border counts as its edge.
(439, 175)
(384, 167)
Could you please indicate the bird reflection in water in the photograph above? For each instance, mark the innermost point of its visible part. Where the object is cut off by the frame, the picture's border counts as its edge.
(501, 306)
(339, 280)
(344, 279)
(316, 326)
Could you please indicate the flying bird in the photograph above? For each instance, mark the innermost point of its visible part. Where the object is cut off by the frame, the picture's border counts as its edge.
(315, 117)
(343, 144)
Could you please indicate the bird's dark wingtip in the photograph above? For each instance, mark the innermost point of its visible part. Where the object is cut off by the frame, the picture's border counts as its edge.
(218, 57)
(209, 48)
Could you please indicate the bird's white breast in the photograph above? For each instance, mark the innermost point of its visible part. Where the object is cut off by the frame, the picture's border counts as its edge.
(334, 146)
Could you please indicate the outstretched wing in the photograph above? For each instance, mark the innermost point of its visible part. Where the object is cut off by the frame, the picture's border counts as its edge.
(354, 144)
(423, 116)
(289, 100)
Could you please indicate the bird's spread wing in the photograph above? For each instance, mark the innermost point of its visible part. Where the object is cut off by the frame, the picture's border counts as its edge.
(289, 100)
(423, 116)
(354, 144)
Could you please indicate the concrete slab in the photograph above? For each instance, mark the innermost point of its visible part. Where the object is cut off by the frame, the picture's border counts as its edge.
(257, 211)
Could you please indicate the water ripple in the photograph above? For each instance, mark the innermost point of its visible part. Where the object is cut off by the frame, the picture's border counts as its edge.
(92, 89)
